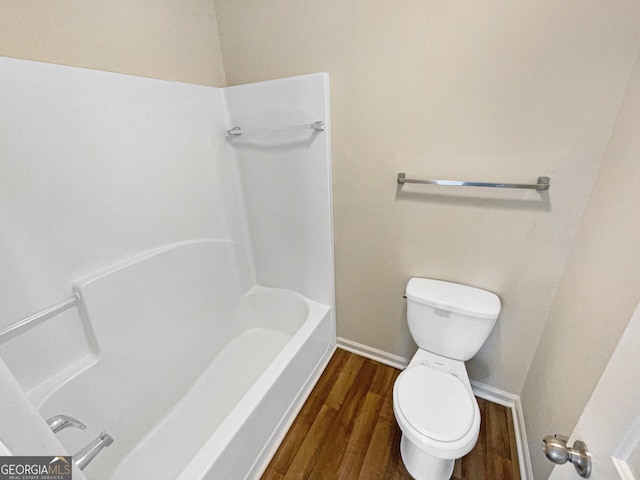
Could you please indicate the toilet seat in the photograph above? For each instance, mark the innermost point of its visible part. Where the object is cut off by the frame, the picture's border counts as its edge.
(436, 404)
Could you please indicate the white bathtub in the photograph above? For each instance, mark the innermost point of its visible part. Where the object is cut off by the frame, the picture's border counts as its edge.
(196, 373)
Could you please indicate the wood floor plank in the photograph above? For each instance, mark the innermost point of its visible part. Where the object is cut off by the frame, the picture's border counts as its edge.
(499, 467)
(306, 456)
(497, 430)
(272, 474)
(378, 451)
(363, 427)
(345, 380)
(303, 422)
(386, 411)
(330, 456)
(383, 379)
(395, 468)
(347, 430)
(474, 464)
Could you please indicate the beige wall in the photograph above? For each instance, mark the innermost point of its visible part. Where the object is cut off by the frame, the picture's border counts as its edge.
(494, 91)
(167, 39)
(599, 291)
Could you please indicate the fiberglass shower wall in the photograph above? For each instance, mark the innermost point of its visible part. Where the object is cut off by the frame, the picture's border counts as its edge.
(286, 177)
(97, 167)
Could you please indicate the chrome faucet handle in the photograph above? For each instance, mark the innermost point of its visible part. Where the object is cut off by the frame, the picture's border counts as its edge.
(88, 453)
(60, 422)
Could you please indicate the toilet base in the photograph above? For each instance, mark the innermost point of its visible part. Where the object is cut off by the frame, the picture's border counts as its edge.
(423, 466)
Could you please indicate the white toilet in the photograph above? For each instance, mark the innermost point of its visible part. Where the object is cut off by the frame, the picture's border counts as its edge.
(432, 398)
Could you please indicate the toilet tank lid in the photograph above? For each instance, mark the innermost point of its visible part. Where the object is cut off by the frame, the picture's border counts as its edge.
(454, 297)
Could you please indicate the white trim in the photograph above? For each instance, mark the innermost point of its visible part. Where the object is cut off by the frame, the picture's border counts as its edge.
(390, 359)
(623, 469)
(511, 401)
(526, 470)
(493, 394)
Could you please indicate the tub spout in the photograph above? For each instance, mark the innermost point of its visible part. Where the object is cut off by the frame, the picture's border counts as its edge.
(60, 422)
(88, 453)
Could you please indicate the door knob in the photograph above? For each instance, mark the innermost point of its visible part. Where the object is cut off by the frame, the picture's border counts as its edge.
(556, 450)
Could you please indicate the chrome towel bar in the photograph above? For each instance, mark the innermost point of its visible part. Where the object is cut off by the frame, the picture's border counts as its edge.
(542, 184)
(317, 126)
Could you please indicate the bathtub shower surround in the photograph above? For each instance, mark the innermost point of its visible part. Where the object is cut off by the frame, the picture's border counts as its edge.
(191, 271)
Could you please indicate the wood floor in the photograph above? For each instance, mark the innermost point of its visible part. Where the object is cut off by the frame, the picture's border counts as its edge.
(346, 430)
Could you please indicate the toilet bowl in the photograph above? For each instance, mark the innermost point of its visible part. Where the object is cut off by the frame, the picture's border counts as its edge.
(437, 413)
(433, 401)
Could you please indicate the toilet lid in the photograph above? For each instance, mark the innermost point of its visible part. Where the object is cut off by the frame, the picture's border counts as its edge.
(435, 403)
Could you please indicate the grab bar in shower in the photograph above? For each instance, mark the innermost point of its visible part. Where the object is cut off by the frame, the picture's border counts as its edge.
(542, 183)
(17, 328)
(318, 126)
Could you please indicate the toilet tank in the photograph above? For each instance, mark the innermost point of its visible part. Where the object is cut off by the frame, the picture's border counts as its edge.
(450, 319)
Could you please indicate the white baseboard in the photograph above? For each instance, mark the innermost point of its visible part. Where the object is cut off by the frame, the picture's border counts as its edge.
(480, 389)
(493, 394)
(511, 401)
(373, 353)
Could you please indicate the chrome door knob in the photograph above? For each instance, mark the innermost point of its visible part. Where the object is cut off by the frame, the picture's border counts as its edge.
(556, 450)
